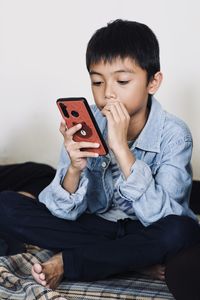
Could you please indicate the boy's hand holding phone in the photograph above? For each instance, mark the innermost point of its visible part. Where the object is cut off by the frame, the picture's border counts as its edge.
(82, 138)
(78, 157)
(77, 111)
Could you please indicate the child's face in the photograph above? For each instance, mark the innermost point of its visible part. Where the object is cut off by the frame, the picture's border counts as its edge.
(120, 80)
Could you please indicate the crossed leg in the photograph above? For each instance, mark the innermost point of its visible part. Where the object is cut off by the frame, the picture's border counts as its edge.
(91, 240)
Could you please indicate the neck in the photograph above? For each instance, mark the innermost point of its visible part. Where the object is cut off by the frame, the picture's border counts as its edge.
(137, 124)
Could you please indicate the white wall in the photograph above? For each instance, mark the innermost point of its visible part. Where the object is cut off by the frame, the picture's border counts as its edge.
(42, 58)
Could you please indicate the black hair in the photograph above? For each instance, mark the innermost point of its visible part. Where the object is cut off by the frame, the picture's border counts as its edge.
(122, 39)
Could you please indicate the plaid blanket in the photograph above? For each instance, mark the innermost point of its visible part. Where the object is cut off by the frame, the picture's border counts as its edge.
(16, 283)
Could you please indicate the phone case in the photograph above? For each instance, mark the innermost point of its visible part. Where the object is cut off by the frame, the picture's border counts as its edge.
(77, 110)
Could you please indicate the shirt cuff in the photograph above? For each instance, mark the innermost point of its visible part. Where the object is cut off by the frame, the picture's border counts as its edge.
(58, 200)
(74, 198)
(133, 187)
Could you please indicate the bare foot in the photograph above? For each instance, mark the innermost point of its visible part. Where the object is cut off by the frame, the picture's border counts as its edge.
(156, 272)
(50, 273)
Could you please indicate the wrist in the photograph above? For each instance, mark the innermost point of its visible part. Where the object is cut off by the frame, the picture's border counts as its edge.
(73, 171)
(120, 150)
(71, 179)
(125, 160)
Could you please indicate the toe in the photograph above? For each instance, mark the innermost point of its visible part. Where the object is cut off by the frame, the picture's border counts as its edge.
(37, 268)
(37, 275)
(43, 282)
(42, 276)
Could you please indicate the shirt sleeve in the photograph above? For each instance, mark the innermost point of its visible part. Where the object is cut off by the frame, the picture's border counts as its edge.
(59, 201)
(167, 192)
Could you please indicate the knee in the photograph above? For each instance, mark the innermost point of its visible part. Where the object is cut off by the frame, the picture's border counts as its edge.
(186, 263)
(182, 274)
(179, 232)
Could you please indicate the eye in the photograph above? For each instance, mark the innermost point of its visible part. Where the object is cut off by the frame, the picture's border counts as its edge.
(123, 82)
(96, 83)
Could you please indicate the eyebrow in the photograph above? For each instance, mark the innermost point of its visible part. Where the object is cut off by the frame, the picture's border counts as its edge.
(117, 71)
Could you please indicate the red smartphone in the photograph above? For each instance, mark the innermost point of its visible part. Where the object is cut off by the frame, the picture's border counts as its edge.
(77, 110)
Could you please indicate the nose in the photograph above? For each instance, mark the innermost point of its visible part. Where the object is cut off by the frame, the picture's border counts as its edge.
(109, 92)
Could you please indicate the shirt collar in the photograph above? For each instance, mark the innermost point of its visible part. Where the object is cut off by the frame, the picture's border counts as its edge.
(150, 136)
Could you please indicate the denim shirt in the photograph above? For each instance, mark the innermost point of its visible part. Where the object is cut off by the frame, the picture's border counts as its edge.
(160, 179)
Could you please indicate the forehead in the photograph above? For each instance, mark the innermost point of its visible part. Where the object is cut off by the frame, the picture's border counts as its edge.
(126, 65)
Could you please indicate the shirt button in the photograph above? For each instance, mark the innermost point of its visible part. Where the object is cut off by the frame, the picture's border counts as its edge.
(104, 164)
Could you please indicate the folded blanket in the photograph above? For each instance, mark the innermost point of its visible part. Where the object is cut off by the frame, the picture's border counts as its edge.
(16, 283)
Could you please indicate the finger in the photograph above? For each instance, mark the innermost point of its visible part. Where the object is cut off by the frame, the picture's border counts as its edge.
(124, 110)
(105, 112)
(42, 276)
(85, 154)
(109, 117)
(87, 145)
(107, 107)
(115, 112)
(62, 126)
(75, 147)
(79, 155)
(71, 131)
(121, 110)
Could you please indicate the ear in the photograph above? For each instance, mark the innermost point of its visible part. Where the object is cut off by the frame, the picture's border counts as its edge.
(155, 83)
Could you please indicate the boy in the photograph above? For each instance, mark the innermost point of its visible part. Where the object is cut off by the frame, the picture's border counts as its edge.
(127, 210)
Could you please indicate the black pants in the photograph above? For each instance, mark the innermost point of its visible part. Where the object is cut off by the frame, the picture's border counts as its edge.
(94, 248)
(183, 274)
(28, 177)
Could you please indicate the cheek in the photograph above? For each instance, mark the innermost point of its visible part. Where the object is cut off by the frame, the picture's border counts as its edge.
(95, 96)
(140, 91)
(96, 91)
(135, 100)
(98, 99)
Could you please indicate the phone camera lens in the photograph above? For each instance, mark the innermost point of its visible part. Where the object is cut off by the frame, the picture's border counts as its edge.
(64, 110)
(74, 113)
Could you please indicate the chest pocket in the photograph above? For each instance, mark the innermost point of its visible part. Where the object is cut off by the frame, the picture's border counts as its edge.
(98, 192)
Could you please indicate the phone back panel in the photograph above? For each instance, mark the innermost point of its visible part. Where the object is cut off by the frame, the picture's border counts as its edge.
(75, 111)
